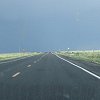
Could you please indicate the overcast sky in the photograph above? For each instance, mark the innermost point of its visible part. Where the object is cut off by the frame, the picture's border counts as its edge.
(46, 25)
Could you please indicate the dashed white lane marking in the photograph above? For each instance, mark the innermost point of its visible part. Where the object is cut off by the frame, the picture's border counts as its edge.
(94, 75)
(29, 65)
(40, 58)
(35, 62)
(16, 74)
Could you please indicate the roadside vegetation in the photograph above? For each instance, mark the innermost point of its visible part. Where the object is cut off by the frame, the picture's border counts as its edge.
(92, 55)
(8, 56)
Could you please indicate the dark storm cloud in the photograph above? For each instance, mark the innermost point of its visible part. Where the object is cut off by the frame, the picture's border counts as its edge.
(42, 25)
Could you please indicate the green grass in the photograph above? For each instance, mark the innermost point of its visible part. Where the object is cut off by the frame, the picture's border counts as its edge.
(8, 56)
(89, 55)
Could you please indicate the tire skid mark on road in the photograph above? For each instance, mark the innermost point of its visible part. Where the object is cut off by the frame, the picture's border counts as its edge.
(89, 72)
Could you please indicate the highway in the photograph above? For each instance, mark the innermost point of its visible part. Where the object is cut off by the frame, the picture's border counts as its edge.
(49, 77)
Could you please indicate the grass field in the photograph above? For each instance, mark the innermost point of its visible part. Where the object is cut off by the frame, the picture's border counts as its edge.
(8, 56)
(89, 55)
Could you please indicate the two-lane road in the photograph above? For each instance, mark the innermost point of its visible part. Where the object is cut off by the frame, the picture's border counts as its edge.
(46, 77)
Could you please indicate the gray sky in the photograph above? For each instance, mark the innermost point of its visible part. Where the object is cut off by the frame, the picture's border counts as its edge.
(46, 25)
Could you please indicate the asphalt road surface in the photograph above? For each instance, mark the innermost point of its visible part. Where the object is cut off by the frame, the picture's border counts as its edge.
(47, 77)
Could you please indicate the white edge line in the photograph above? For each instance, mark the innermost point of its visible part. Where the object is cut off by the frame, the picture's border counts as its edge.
(16, 74)
(15, 60)
(96, 76)
(18, 59)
